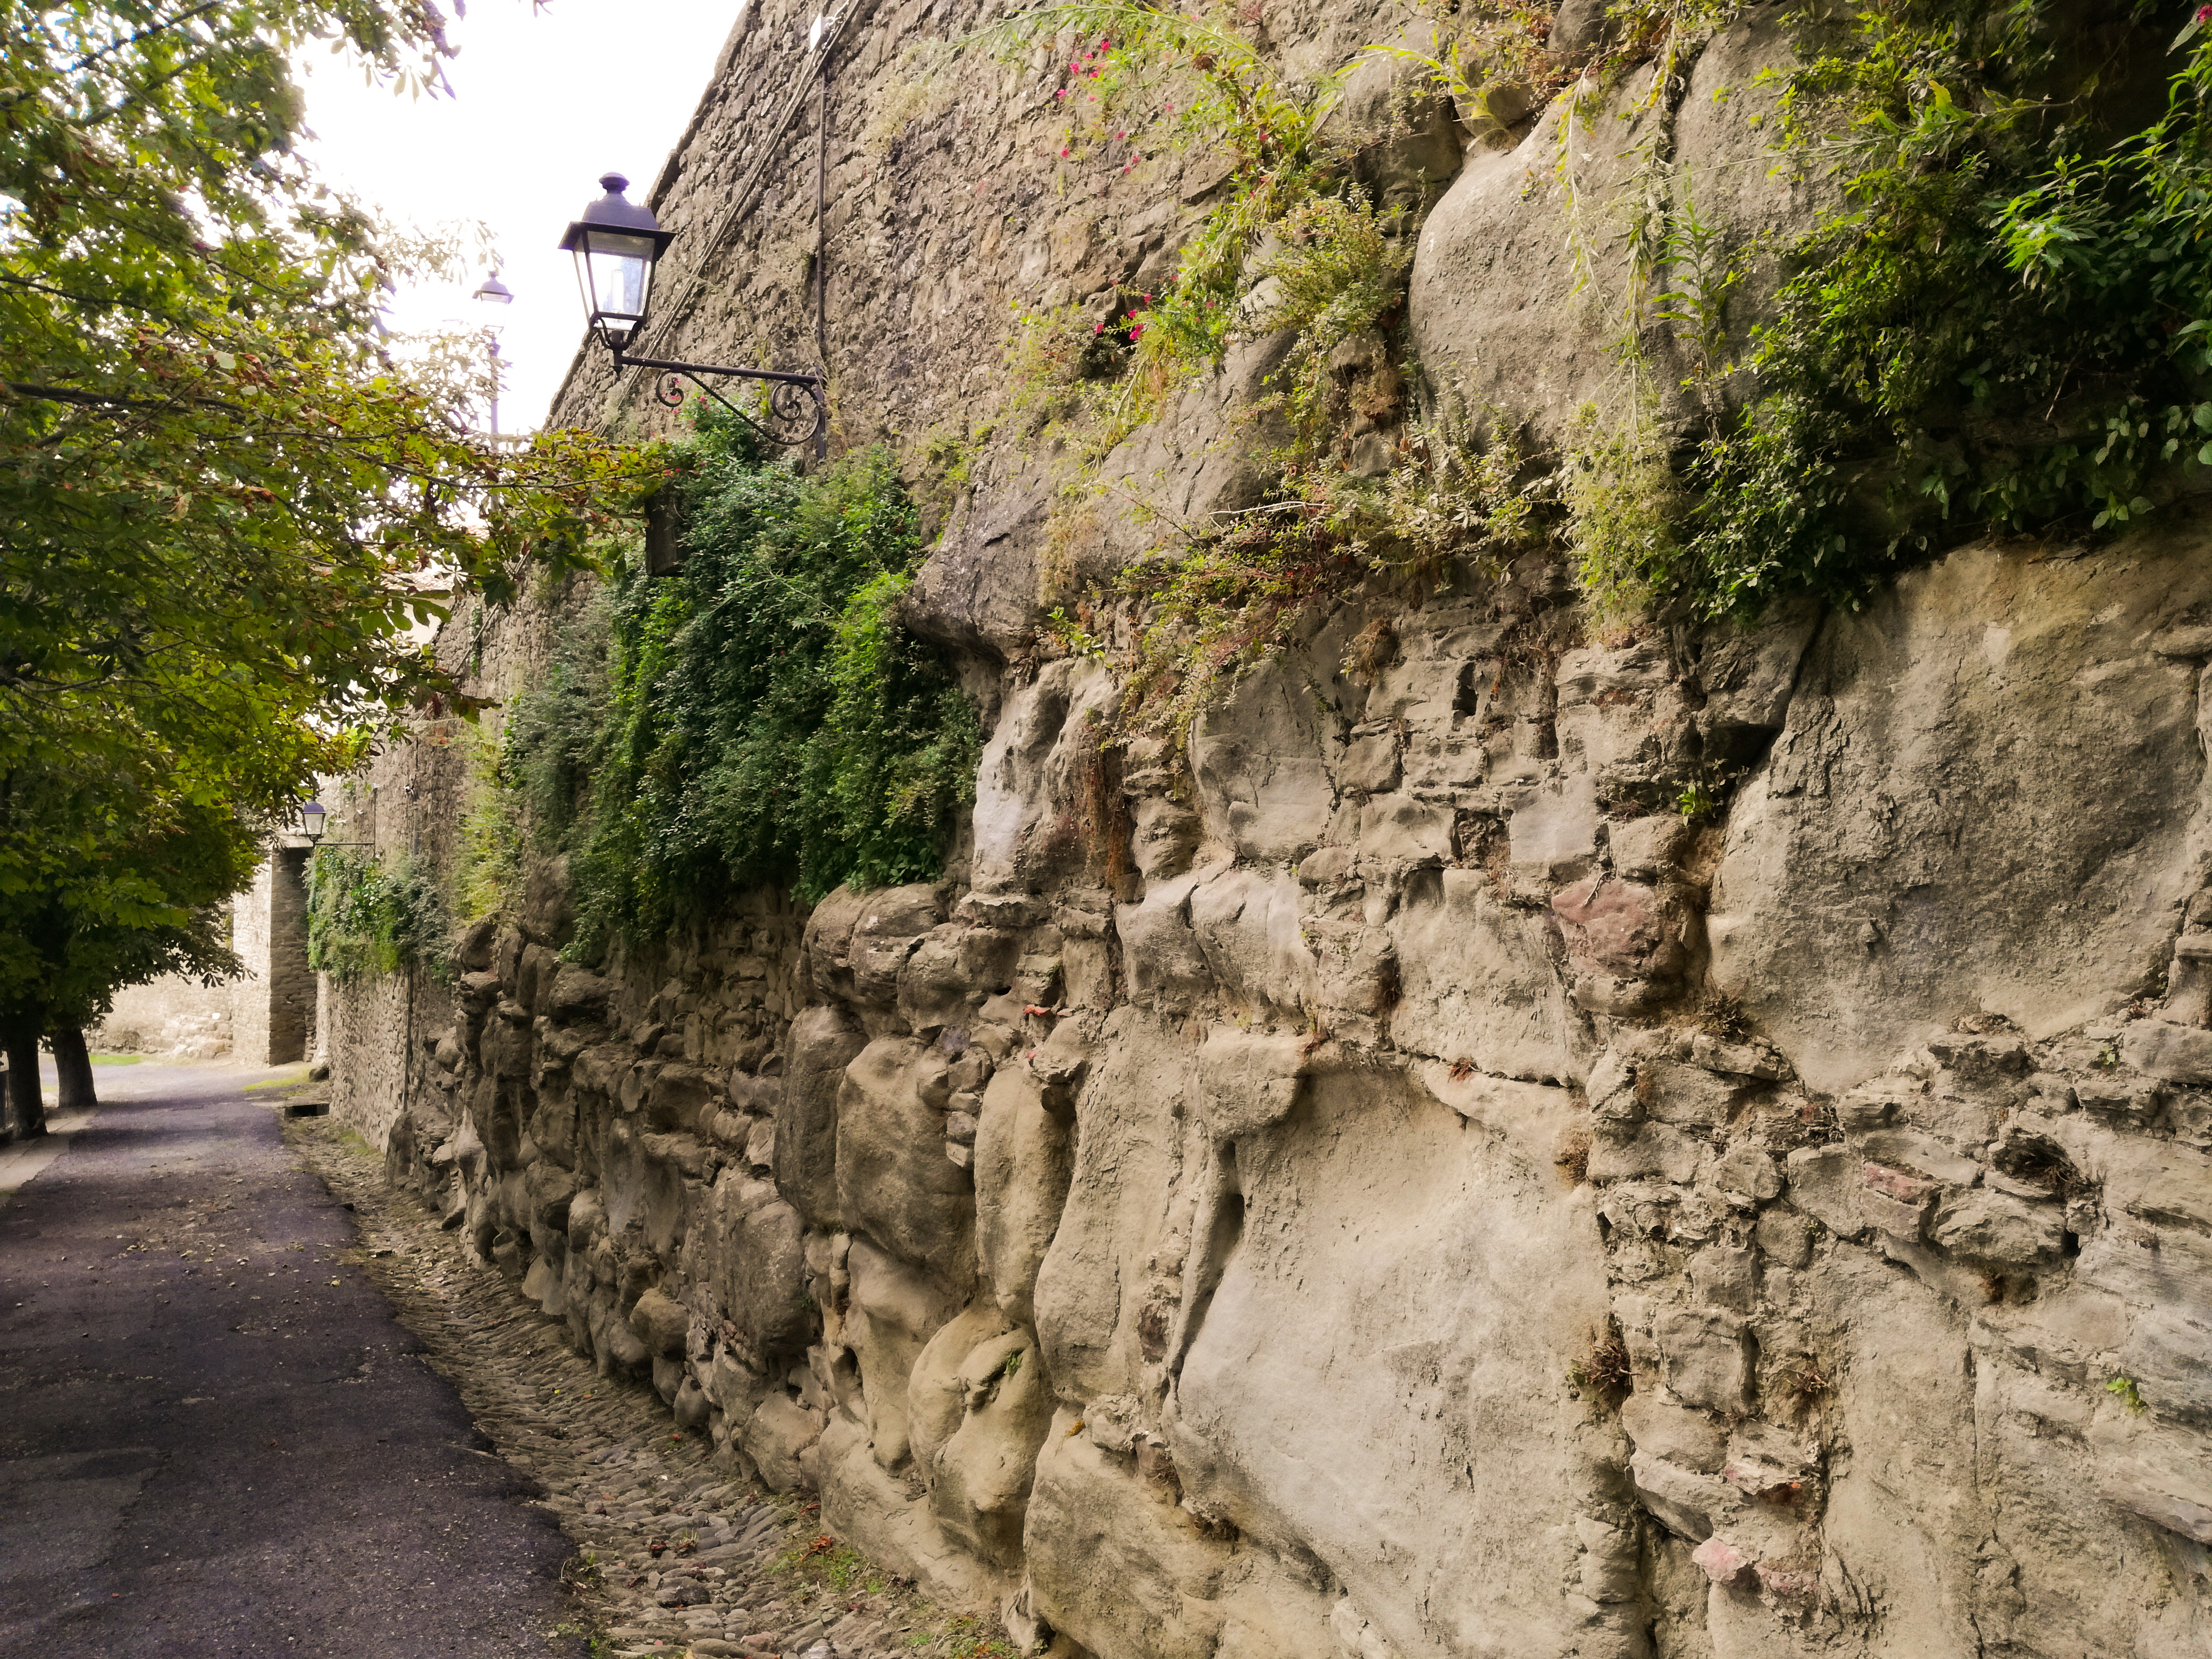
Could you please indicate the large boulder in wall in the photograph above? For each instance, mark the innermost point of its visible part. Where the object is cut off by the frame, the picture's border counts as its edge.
(1263, 759)
(1105, 1296)
(1522, 283)
(1024, 1158)
(1378, 1379)
(1988, 796)
(895, 1184)
(894, 1309)
(978, 1407)
(759, 1265)
(1029, 769)
(1118, 1565)
(823, 1042)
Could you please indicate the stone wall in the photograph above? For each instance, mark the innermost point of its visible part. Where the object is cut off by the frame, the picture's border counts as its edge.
(1400, 1189)
(273, 1002)
(171, 1015)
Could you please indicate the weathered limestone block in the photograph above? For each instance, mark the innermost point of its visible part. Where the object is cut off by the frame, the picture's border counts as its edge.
(1095, 1315)
(1705, 1357)
(827, 944)
(1262, 761)
(891, 926)
(894, 1182)
(1747, 675)
(660, 1323)
(1025, 1160)
(1029, 767)
(937, 1399)
(1398, 830)
(1476, 982)
(675, 1098)
(896, 1310)
(1504, 312)
(937, 982)
(548, 912)
(1114, 1562)
(758, 1268)
(1553, 834)
(779, 1430)
(823, 1042)
(1433, 1274)
(577, 994)
(874, 1509)
(979, 1408)
(1246, 923)
(1917, 846)
(1165, 965)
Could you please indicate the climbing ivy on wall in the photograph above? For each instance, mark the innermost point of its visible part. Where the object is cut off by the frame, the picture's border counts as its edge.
(761, 716)
(366, 917)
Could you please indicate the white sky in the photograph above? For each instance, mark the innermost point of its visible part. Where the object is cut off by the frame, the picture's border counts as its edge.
(542, 104)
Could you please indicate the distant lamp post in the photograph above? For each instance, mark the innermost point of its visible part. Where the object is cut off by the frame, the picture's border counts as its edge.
(311, 820)
(492, 291)
(616, 243)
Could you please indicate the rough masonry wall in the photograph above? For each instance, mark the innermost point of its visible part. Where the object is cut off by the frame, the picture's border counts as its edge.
(1390, 1185)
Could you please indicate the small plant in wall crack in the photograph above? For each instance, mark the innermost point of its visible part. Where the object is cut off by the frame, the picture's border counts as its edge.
(1804, 1383)
(1605, 1372)
(2123, 1389)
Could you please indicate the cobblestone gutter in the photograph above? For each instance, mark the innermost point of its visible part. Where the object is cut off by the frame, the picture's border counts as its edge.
(673, 1555)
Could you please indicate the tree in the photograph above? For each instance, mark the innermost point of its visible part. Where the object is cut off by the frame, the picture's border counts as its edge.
(222, 499)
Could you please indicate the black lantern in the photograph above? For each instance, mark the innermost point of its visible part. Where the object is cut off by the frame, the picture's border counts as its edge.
(616, 243)
(311, 820)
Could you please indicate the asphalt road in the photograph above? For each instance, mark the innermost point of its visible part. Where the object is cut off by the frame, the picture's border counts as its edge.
(215, 1438)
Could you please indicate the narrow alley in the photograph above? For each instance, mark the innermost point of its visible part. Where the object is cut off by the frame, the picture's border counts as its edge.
(216, 1439)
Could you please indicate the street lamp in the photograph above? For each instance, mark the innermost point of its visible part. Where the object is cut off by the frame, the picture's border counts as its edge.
(616, 243)
(492, 291)
(311, 820)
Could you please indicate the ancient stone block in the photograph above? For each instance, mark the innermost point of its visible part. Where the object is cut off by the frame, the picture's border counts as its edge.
(1705, 1357)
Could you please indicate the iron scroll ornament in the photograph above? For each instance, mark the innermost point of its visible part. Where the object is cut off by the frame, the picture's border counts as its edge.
(791, 398)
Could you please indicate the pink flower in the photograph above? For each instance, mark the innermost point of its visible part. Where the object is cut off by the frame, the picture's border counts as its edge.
(2204, 14)
(1062, 93)
(1063, 150)
(1101, 329)
(1136, 331)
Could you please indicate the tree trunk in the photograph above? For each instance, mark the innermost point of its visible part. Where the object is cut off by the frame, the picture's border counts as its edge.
(27, 1106)
(74, 1061)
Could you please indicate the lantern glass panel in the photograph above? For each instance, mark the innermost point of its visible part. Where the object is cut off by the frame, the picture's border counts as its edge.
(621, 272)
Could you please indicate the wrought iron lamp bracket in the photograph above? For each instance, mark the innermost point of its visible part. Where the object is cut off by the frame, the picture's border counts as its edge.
(785, 391)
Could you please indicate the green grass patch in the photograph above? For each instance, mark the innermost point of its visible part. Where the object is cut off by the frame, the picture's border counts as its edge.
(284, 1080)
(117, 1059)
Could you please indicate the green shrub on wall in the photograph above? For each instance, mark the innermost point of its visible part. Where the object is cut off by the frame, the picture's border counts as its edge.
(365, 918)
(759, 717)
